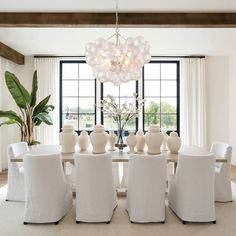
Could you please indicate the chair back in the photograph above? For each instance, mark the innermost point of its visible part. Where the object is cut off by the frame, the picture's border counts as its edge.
(146, 168)
(196, 172)
(42, 175)
(222, 150)
(17, 149)
(95, 189)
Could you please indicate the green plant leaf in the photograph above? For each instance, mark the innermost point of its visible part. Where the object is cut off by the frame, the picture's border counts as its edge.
(11, 115)
(34, 89)
(39, 108)
(17, 90)
(44, 117)
(9, 122)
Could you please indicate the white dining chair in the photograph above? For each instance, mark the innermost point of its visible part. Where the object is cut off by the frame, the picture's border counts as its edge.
(48, 193)
(95, 191)
(146, 188)
(223, 191)
(15, 179)
(191, 190)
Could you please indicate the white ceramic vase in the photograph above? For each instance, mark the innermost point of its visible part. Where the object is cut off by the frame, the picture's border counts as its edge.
(98, 139)
(131, 140)
(83, 140)
(140, 141)
(68, 139)
(164, 141)
(154, 139)
(112, 138)
(174, 142)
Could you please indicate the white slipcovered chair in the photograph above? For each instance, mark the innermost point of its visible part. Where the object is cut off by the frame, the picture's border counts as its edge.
(95, 190)
(191, 190)
(223, 191)
(146, 188)
(48, 193)
(15, 180)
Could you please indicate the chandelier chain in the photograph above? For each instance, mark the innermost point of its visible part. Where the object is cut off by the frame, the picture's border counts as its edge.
(117, 18)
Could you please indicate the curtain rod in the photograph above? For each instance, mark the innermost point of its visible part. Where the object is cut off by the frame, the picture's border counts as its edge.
(193, 56)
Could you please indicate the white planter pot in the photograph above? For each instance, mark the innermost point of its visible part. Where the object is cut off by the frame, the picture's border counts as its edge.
(131, 140)
(154, 139)
(68, 139)
(174, 142)
(140, 141)
(83, 140)
(98, 139)
(112, 138)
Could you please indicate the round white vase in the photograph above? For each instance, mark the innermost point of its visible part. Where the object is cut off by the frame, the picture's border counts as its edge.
(112, 138)
(98, 139)
(140, 141)
(131, 140)
(164, 141)
(83, 140)
(174, 142)
(154, 139)
(68, 139)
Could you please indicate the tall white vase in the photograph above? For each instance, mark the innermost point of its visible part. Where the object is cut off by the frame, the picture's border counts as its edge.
(174, 142)
(112, 138)
(154, 139)
(83, 140)
(68, 139)
(131, 140)
(164, 141)
(98, 139)
(140, 141)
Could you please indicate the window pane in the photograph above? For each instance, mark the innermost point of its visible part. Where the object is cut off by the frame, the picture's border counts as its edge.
(152, 105)
(109, 88)
(86, 121)
(127, 89)
(86, 88)
(70, 119)
(168, 71)
(168, 105)
(78, 95)
(152, 71)
(86, 105)
(151, 119)
(70, 71)
(70, 88)
(70, 104)
(85, 71)
(168, 122)
(152, 88)
(168, 88)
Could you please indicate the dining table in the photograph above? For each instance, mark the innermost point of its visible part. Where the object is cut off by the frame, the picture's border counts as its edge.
(117, 156)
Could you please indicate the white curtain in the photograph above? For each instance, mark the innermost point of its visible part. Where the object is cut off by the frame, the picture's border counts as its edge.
(48, 83)
(193, 102)
(8, 134)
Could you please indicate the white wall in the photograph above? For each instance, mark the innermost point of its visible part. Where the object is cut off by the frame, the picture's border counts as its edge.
(217, 92)
(232, 106)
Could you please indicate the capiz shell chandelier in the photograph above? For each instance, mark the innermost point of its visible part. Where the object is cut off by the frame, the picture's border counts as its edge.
(116, 59)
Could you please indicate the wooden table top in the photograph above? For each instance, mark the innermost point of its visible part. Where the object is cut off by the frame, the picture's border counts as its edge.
(116, 155)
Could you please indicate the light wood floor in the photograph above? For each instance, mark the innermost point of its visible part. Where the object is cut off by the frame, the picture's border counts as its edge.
(3, 176)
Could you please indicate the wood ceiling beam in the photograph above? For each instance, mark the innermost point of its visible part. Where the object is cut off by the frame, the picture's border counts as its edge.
(173, 20)
(11, 54)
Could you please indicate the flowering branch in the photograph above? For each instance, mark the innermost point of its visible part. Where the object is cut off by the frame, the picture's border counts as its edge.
(121, 113)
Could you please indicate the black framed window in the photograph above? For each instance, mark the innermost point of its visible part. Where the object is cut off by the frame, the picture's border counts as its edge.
(122, 93)
(77, 95)
(161, 91)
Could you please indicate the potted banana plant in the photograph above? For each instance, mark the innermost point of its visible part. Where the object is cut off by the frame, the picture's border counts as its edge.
(31, 114)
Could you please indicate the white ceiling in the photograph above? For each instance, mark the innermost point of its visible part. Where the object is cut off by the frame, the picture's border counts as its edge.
(72, 41)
